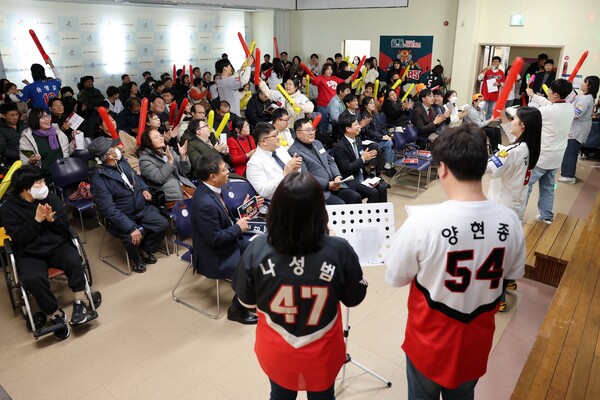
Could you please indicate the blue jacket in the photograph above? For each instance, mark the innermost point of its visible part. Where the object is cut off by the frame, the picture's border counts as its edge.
(116, 202)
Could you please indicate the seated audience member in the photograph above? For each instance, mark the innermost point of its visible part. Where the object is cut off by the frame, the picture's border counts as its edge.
(222, 109)
(124, 199)
(43, 143)
(258, 109)
(59, 118)
(449, 102)
(10, 89)
(168, 97)
(301, 102)
(198, 137)
(281, 122)
(68, 98)
(476, 115)
(373, 129)
(146, 86)
(241, 145)
(114, 102)
(128, 146)
(397, 112)
(369, 92)
(124, 88)
(217, 239)
(425, 117)
(165, 169)
(11, 128)
(336, 104)
(197, 92)
(270, 162)
(88, 94)
(545, 77)
(39, 230)
(351, 158)
(438, 106)
(321, 165)
(129, 119)
(157, 105)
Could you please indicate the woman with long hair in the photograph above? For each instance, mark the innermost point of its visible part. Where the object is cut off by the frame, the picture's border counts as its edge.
(291, 87)
(241, 145)
(276, 74)
(297, 276)
(580, 129)
(449, 103)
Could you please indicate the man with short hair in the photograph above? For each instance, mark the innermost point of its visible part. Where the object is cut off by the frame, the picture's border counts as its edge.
(492, 79)
(336, 65)
(336, 105)
(167, 96)
(197, 74)
(351, 158)
(124, 199)
(281, 121)
(229, 85)
(456, 256)
(533, 69)
(157, 105)
(198, 112)
(258, 109)
(216, 234)
(271, 162)
(557, 117)
(88, 94)
(321, 165)
(11, 128)
(112, 97)
(425, 117)
(124, 88)
(266, 64)
(544, 77)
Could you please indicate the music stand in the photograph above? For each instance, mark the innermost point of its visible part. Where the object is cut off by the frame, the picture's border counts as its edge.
(357, 223)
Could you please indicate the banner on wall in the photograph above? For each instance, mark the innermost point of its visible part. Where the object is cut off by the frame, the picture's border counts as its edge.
(413, 51)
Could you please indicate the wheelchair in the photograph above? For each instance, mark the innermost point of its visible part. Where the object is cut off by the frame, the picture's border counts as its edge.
(21, 300)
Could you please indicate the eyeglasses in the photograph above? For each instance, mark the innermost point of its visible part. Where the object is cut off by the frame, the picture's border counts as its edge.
(199, 112)
(270, 136)
(202, 126)
(309, 130)
(45, 116)
(284, 120)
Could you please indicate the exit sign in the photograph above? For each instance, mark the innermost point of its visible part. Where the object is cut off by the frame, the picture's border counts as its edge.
(517, 20)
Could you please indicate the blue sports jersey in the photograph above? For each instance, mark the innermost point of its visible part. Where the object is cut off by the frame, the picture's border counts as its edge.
(40, 92)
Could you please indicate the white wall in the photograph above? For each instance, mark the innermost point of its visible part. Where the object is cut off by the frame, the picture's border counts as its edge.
(323, 31)
(107, 41)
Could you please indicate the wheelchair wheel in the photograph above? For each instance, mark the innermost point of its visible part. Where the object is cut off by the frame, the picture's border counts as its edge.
(10, 285)
(97, 298)
(39, 320)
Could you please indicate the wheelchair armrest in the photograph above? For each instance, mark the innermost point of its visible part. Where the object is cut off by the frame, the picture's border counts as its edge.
(8, 246)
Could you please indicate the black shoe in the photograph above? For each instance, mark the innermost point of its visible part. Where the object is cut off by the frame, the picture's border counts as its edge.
(390, 172)
(137, 265)
(388, 186)
(148, 258)
(242, 316)
(80, 313)
(60, 319)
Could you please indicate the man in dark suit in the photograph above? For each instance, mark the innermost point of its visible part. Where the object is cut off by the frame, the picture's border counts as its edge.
(216, 237)
(351, 158)
(545, 77)
(425, 118)
(321, 165)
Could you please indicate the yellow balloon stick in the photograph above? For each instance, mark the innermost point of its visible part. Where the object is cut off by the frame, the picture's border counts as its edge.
(288, 98)
(545, 88)
(211, 120)
(364, 73)
(252, 45)
(244, 101)
(8, 177)
(405, 72)
(355, 82)
(307, 84)
(376, 89)
(222, 125)
(410, 88)
(396, 84)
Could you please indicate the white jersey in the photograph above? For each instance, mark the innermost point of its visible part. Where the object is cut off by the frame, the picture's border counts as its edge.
(510, 177)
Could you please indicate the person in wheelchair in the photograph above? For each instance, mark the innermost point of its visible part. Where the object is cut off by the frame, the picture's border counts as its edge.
(124, 199)
(38, 227)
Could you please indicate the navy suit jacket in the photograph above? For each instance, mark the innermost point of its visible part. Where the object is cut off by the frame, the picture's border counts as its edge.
(347, 161)
(214, 237)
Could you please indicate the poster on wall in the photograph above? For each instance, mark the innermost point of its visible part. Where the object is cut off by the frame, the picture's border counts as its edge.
(413, 51)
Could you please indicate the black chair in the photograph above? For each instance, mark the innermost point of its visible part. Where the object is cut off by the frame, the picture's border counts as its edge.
(68, 173)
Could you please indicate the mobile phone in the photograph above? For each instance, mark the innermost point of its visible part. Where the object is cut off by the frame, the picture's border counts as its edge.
(27, 153)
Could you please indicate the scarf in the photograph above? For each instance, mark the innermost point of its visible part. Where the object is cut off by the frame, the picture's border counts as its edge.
(51, 135)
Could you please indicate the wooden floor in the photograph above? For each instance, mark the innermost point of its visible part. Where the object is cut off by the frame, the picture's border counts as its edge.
(565, 360)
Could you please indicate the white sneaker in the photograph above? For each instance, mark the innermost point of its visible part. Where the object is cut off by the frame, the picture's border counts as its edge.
(546, 221)
(564, 179)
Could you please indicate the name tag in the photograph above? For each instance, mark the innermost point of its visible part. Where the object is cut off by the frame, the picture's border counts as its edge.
(322, 151)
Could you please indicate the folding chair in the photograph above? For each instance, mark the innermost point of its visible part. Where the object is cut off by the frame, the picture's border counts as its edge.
(69, 173)
(20, 298)
(183, 232)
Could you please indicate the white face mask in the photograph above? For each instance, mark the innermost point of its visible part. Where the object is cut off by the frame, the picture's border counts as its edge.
(482, 104)
(118, 154)
(39, 193)
(453, 99)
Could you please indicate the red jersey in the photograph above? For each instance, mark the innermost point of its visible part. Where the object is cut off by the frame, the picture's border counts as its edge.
(327, 87)
(498, 75)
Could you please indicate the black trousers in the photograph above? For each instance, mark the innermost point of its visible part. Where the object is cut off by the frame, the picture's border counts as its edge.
(33, 273)
(495, 137)
(281, 393)
(344, 196)
(378, 194)
(155, 226)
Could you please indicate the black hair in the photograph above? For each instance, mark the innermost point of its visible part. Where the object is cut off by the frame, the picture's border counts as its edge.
(208, 164)
(497, 58)
(220, 64)
(593, 83)
(131, 101)
(437, 70)
(8, 107)
(224, 103)
(33, 118)
(194, 107)
(278, 113)
(447, 96)
(542, 56)
(66, 89)
(146, 74)
(343, 64)
(224, 56)
(193, 126)
(38, 72)
(562, 87)
(349, 98)
(124, 76)
(345, 121)
(549, 61)
(197, 81)
(238, 125)
(111, 91)
(532, 135)
(299, 59)
(436, 92)
(25, 177)
(52, 101)
(314, 55)
(295, 81)
(195, 68)
(297, 218)
(145, 141)
(325, 67)
(261, 130)
(463, 150)
(425, 93)
(267, 55)
(337, 55)
(341, 87)
(365, 102)
(283, 52)
(166, 90)
(299, 122)
(278, 68)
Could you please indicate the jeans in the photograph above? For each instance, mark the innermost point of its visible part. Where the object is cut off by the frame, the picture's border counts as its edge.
(569, 162)
(388, 152)
(546, 199)
(489, 108)
(281, 393)
(422, 388)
